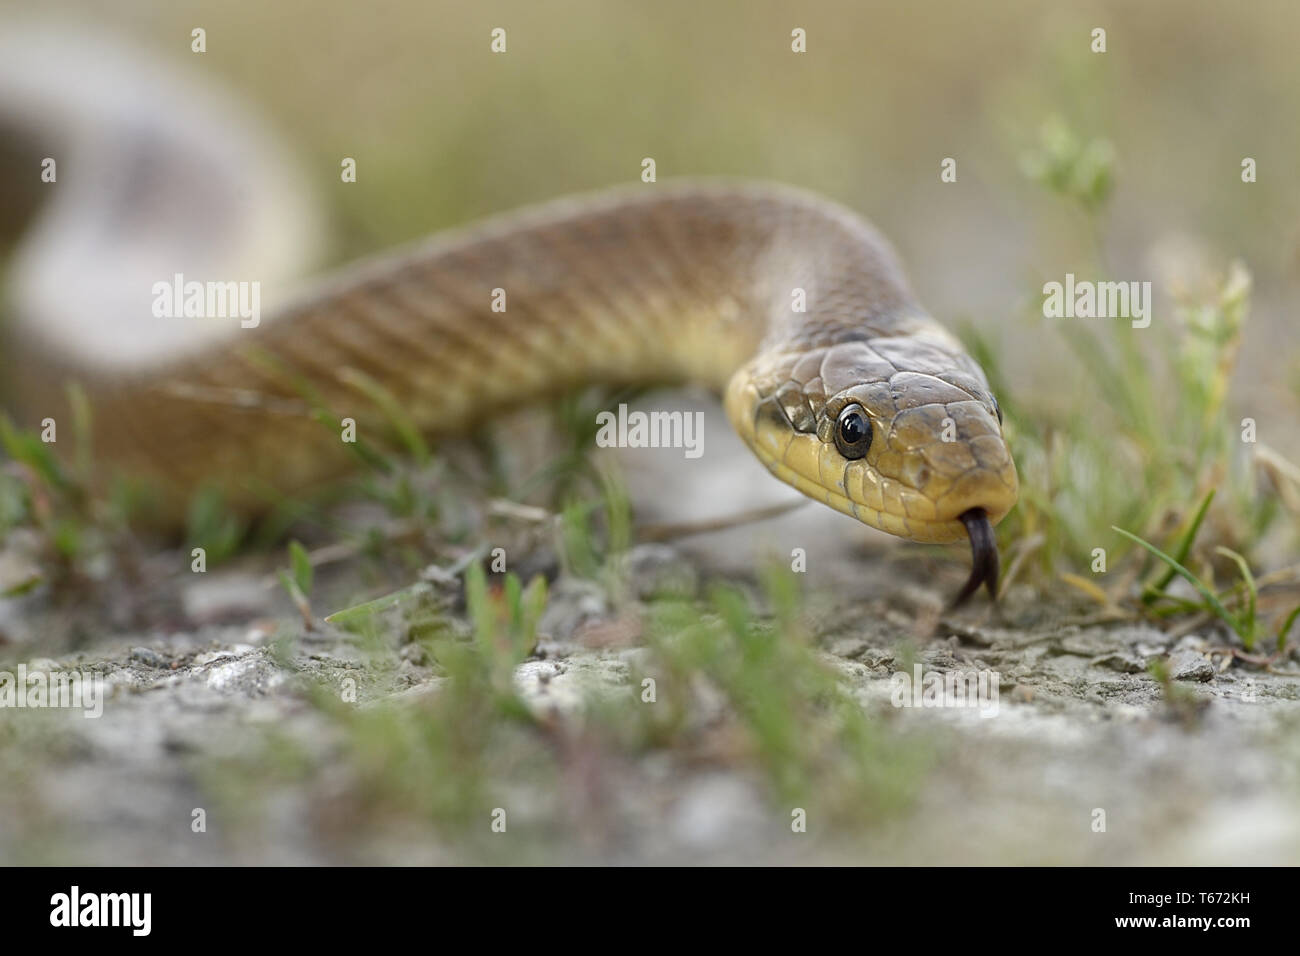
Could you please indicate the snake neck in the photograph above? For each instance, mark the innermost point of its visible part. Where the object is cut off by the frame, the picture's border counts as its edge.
(696, 283)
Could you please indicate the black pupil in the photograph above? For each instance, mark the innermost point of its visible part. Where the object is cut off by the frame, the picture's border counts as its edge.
(852, 428)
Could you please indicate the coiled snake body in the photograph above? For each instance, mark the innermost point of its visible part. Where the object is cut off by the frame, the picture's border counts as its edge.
(859, 399)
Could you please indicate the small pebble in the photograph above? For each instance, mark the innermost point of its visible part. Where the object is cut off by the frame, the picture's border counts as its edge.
(148, 657)
(1189, 665)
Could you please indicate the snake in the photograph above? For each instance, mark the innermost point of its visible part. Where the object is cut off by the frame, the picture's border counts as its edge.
(792, 308)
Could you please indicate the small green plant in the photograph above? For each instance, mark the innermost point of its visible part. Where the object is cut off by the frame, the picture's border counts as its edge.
(505, 624)
(76, 520)
(1152, 437)
(448, 754)
(594, 532)
(1077, 169)
(811, 736)
(1244, 621)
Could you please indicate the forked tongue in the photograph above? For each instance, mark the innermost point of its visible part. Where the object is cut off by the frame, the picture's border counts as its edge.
(984, 556)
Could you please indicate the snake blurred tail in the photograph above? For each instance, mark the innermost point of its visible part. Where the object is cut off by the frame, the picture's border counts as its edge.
(792, 308)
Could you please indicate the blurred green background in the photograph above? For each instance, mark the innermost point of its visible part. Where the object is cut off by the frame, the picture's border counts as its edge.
(445, 131)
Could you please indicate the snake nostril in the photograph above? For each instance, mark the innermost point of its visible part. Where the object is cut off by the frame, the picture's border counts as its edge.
(922, 477)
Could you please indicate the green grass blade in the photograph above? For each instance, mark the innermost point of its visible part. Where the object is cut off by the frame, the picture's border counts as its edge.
(1247, 617)
(1286, 626)
(1210, 599)
(1154, 590)
(387, 403)
(478, 603)
(355, 617)
(300, 562)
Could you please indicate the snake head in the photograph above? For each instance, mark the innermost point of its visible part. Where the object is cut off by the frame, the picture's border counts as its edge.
(899, 431)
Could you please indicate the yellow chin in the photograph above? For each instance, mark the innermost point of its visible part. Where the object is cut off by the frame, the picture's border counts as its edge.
(897, 509)
(914, 529)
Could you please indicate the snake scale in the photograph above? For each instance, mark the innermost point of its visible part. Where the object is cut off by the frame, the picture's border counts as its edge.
(794, 309)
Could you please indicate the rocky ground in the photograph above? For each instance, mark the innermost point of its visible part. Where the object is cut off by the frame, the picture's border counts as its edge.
(1087, 759)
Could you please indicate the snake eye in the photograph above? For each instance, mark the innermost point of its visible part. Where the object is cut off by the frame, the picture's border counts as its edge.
(852, 432)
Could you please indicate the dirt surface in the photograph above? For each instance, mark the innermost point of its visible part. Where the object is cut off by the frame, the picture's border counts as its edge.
(1199, 771)
(1079, 726)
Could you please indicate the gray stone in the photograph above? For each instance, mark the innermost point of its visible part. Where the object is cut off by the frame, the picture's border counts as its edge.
(1188, 664)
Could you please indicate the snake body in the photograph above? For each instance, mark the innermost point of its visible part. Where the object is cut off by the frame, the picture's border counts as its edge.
(791, 307)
